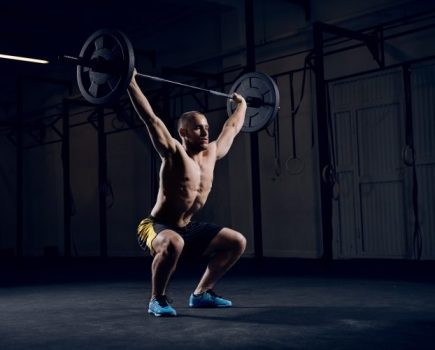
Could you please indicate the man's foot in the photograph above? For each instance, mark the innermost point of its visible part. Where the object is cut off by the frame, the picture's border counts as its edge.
(208, 299)
(159, 306)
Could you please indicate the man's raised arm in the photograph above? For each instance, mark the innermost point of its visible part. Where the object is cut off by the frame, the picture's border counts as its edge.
(231, 128)
(162, 140)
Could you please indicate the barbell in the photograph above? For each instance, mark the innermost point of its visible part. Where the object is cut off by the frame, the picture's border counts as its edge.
(105, 67)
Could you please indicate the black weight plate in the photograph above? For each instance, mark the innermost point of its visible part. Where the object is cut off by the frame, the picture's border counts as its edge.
(258, 87)
(106, 87)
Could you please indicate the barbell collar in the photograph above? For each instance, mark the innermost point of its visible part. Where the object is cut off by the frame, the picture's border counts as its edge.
(96, 64)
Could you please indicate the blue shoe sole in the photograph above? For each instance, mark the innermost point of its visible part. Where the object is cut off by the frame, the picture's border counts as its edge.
(209, 306)
(161, 315)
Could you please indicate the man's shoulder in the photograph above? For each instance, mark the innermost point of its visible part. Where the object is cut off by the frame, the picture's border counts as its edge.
(178, 150)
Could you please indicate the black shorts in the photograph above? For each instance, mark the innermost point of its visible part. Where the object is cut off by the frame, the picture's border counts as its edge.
(196, 235)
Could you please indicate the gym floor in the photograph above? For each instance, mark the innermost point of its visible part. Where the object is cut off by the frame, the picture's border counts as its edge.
(293, 304)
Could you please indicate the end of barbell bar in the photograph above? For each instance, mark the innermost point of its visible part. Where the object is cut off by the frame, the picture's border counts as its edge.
(23, 59)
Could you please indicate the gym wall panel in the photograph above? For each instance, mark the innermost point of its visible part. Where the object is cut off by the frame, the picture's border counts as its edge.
(43, 200)
(129, 173)
(84, 189)
(423, 113)
(290, 203)
(370, 212)
(380, 142)
(383, 220)
(239, 190)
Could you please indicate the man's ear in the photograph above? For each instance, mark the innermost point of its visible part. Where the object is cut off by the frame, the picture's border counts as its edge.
(182, 132)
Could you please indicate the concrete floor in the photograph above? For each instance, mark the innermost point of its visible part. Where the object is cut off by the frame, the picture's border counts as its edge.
(273, 309)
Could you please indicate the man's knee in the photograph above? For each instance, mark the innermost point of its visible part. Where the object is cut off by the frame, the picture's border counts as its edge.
(236, 241)
(169, 245)
(240, 242)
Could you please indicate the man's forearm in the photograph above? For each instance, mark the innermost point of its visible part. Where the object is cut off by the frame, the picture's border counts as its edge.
(237, 119)
(140, 102)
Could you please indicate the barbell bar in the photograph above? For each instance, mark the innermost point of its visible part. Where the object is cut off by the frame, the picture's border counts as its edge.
(105, 67)
(154, 78)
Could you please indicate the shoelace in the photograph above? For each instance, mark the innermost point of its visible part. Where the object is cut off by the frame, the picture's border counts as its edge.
(162, 300)
(213, 294)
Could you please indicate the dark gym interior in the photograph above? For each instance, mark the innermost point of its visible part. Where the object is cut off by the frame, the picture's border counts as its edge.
(333, 189)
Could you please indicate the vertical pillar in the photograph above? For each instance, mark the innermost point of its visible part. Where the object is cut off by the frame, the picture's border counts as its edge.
(19, 165)
(66, 179)
(409, 139)
(102, 181)
(322, 137)
(255, 161)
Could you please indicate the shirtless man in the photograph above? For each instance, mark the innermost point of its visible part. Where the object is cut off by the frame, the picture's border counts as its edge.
(186, 177)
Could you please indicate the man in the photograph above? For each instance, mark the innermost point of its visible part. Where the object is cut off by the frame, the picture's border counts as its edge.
(186, 177)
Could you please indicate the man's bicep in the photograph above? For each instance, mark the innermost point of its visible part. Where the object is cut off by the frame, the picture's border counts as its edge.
(161, 138)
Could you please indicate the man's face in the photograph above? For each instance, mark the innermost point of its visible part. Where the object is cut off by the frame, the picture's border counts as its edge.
(196, 132)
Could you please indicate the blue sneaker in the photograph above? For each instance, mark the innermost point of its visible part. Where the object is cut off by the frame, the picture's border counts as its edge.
(208, 299)
(159, 306)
